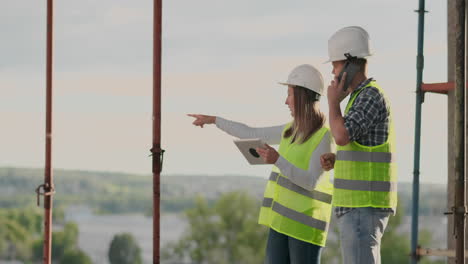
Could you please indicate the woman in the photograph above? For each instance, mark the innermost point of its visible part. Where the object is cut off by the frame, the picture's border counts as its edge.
(297, 199)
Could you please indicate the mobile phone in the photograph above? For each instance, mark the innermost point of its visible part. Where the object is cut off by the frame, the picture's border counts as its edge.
(351, 69)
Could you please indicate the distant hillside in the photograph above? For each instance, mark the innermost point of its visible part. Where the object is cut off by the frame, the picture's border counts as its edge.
(110, 192)
(118, 192)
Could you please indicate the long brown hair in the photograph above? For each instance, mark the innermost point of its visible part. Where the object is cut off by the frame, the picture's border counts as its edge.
(307, 116)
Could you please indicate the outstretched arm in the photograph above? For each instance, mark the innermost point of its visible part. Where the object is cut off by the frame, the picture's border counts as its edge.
(270, 135)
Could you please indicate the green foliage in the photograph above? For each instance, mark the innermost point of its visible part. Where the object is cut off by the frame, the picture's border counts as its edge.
(18, 230)
(395, 246)
(29, 218)
(425, 238)
(14, 239)
(62, 241)
(124, 250)
(216, 230)
(37, 249)
(225, 233)
(228, 233)
(75, 257)
(58, 215)
(21, 236)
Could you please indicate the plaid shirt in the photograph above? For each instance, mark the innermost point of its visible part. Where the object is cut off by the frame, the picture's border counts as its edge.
(367, 123)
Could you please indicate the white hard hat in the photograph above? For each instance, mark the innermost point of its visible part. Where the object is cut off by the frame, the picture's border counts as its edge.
(352, 40)
(306, 76)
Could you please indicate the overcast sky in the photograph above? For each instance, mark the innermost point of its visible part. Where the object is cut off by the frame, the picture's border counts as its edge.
(219, 57)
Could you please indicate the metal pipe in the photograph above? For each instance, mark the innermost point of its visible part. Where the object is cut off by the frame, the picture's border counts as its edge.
(48, 177)
(437, 252)
(156, 148)
(460, 209)
(417, 132)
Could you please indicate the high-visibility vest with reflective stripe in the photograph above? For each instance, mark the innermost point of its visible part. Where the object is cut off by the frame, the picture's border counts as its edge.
(366, 176)
(292, 210)
(268, 196)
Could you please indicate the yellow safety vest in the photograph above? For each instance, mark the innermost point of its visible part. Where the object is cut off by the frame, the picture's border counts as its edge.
(366, 176)
(292, 210)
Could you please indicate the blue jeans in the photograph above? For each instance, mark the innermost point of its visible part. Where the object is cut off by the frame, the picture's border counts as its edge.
(283, 249)
(361, 231)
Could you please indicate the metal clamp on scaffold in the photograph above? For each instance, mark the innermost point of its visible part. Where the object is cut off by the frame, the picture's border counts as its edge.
(419, 11)
(154, 152)
(44, 192)
(416, 254)
(457, 210)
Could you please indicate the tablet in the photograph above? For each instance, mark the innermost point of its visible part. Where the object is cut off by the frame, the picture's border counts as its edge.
(247, 148)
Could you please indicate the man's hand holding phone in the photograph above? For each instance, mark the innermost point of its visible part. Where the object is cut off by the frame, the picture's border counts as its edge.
(335, 92)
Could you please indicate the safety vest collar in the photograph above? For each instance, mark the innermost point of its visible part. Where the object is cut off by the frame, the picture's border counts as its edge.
(367, 83)
(362, 85)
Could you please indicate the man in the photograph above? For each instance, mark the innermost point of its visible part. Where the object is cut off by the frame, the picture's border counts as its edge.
(365, 184)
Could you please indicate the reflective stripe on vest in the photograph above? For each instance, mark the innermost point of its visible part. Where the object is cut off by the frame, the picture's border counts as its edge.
(294, 215)
(301, 218)
(273, 176)
(270, 190)
(349, 155)
(286, 183)
(358, 185)
(267, 202)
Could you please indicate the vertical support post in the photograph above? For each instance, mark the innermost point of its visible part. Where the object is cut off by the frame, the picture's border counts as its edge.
(156, 147)
(459, 209)
(48, 177)
(417, 133)
(451, 125)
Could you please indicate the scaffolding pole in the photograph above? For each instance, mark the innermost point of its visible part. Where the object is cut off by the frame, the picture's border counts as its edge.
(459, 210)
(48, 186)
(156, 150)
(417, 134)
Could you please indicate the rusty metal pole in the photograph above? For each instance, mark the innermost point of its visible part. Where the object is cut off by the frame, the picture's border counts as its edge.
(156, 150)
(48, 177)
(460, 209)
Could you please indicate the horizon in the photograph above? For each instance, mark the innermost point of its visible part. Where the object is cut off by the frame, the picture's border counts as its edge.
(176, 174)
